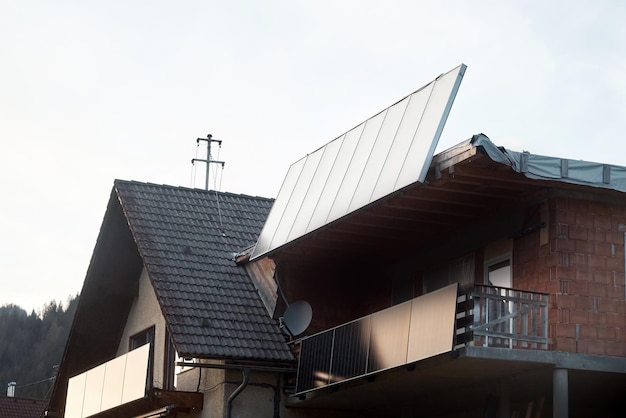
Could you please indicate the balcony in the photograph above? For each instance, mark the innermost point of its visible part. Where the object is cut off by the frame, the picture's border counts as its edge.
(424, 327)
(122, 387)
(491, 316)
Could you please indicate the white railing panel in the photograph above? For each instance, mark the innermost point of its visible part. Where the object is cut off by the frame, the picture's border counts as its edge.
(432, 324)
(108, 385)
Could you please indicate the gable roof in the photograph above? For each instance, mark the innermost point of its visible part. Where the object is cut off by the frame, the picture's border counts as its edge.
(11, 407)
(187, 239)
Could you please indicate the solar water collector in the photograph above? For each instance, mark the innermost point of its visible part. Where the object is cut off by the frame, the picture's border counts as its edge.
(382, 155)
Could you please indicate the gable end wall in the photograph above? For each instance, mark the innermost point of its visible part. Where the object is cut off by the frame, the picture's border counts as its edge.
(145, 312)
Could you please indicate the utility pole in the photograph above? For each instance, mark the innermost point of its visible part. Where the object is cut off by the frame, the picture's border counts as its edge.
(208, 160)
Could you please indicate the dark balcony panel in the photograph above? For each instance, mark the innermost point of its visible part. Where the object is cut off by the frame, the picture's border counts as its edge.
(408, 332)
(315, 361)
(350, 350)
(389, 339)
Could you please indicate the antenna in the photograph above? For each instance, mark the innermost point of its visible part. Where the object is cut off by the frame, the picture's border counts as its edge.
(208, 161)
(297, 318)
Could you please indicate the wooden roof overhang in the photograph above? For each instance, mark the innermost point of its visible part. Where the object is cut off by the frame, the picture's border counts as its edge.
(463, 186)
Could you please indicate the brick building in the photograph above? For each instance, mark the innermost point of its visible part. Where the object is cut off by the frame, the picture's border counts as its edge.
(477, 282)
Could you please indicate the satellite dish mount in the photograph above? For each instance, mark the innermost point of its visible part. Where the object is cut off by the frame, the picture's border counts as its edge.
(297, 318)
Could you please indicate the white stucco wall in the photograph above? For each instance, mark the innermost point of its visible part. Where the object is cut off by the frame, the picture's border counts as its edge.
(256, 400)
(145, 312)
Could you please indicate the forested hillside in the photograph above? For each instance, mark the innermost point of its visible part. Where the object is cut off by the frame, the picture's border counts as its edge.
(31, 346)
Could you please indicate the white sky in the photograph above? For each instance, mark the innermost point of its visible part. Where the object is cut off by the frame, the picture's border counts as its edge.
(93, 91)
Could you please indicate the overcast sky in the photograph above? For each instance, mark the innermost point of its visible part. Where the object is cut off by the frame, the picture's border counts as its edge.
(93, 91)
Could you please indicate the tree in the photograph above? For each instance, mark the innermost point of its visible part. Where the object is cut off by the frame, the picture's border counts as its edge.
(31, 346)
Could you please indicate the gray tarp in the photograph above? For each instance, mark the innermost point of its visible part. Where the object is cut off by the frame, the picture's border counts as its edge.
(551, 168)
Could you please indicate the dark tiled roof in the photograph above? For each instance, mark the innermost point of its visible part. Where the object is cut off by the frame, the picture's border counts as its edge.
(186, 238)
(21, 407)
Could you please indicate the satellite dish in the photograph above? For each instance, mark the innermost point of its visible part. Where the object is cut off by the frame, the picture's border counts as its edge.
(297, 318)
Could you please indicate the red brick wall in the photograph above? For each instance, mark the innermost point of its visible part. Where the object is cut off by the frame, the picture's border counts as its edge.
(337, 293)
(582, 267)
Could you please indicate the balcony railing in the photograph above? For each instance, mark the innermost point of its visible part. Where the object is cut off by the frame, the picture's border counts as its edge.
(122, 387)
(111, 384)
(493, 316)
(423, 327)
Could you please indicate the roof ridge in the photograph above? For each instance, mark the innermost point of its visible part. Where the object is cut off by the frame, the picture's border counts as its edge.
(116, 182)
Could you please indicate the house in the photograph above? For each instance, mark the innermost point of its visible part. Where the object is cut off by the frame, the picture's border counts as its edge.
(162, 287)
(477, 282)
(494, 288)
(12, 407)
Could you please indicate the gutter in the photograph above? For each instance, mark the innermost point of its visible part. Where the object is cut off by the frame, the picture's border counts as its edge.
(237, 367)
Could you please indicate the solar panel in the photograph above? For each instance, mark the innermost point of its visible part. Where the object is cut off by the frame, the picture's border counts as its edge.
(382, 155)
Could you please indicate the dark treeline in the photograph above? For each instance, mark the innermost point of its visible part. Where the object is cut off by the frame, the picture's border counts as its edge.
(31, 346)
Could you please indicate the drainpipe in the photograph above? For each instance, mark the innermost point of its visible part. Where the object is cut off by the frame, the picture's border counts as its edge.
(240, 388)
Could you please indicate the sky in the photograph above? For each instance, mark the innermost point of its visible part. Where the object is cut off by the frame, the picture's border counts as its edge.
(93, 91)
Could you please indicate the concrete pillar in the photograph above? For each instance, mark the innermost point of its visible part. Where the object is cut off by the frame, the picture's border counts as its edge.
(504, 404)
(560, 402)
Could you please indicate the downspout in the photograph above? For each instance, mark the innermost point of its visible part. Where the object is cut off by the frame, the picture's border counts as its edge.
(236, 392)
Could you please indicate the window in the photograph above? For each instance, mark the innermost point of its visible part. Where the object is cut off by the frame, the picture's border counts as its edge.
(142, 338)
(498, 262)
(169, 364)
(499, 273)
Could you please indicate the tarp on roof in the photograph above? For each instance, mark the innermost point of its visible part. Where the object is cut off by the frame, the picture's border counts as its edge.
(541, 167)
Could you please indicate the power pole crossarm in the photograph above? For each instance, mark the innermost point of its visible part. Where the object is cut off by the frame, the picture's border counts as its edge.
(209, 139)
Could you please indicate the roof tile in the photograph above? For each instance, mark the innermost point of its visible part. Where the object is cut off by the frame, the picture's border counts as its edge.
(186, 238)
(11, 407)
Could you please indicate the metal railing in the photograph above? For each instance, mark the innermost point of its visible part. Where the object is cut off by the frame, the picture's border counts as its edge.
(402, 334)
(491, 316)
(483, 316)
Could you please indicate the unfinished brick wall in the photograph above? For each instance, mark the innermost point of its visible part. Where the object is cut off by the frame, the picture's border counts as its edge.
(582, 268)
(338, 293)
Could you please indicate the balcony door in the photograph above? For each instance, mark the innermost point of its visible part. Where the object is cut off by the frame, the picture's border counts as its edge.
(499, 273)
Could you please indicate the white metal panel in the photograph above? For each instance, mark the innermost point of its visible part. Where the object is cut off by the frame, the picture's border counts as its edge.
(329, 154)
(355, 169)
(307, 176)
(75, 396)
(378, 155)
(264, 243)
(113, 382)
(348, 142)
(93, 390)
(393, 150)
(136, 374)
(417, 162)
(432, 323)
(399, 149)
(389, 337)
(108, 385)
(336, 178)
